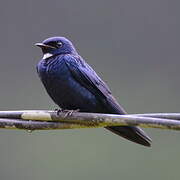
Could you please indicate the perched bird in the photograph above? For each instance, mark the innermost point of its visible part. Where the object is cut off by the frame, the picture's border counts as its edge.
(73, 84)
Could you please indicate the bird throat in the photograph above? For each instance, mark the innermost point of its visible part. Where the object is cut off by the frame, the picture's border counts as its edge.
(47, 55)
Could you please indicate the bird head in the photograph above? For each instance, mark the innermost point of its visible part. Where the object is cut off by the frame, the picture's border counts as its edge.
(56, 46)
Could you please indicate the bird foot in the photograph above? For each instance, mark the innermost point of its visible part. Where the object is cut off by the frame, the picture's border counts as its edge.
(58, 111)
(69, 112)
(66, 111)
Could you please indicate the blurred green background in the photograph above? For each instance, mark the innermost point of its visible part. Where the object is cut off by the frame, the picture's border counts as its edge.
(135, 48)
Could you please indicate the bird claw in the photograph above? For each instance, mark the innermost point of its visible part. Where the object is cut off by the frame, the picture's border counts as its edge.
(69, 112)
(66, 111)
(58, 111)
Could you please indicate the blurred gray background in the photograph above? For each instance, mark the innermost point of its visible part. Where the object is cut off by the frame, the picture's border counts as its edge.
(133, 45)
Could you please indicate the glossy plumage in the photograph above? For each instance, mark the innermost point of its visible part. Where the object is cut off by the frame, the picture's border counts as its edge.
(73, 84)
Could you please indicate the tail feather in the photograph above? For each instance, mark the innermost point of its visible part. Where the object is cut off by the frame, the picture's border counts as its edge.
(132, 133)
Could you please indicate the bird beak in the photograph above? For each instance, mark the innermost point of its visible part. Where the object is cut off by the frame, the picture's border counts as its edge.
(41, 45)
(44, 47)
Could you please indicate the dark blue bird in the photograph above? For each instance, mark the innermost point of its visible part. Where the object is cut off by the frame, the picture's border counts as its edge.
(73, 84)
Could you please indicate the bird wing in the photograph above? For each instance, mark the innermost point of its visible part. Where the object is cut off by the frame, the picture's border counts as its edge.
(88, 78)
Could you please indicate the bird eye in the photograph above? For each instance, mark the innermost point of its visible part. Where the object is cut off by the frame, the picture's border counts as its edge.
(59, 44)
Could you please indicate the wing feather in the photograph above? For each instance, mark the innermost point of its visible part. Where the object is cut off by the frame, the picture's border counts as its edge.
(88, 78)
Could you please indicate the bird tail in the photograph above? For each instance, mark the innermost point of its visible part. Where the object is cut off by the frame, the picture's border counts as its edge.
(132, 133)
